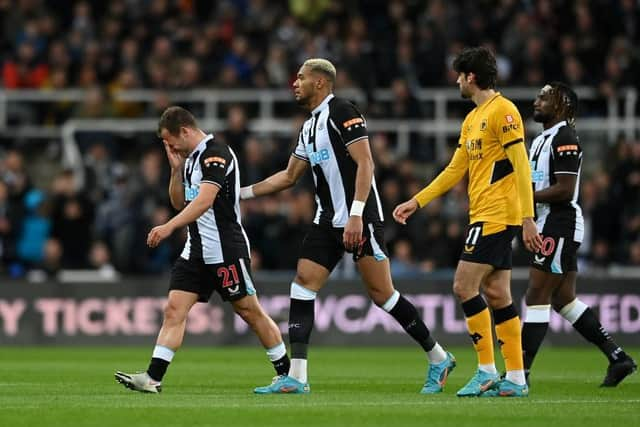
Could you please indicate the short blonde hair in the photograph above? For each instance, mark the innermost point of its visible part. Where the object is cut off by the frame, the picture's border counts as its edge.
(323, 66)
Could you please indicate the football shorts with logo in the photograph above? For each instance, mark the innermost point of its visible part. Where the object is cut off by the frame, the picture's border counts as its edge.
(489, 243)
(558, 255)
(323, 244)
(232, 280)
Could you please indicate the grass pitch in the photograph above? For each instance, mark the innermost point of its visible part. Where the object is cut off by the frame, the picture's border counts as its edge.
(349, 387)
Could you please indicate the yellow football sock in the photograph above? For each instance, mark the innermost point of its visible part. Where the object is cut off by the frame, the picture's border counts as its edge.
(509, 335)
(479, 326)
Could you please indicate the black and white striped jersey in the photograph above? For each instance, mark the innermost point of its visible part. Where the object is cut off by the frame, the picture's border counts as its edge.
(217, 236)
(323, 140)
(557, 151)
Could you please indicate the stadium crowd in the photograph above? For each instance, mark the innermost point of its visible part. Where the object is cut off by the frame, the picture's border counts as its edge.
(106, 47)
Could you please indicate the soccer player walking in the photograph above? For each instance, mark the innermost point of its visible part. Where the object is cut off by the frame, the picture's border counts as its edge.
(205, 187)
(491, 149)
(556, 159)
(334, 143)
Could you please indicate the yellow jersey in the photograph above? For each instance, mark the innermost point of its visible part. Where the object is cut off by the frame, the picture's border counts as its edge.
(487, 132)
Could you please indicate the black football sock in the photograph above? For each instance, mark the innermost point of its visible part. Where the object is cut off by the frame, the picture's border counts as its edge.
(301, 317)
(409, 318)
(534, 330)
(160, 360)
(590, 328)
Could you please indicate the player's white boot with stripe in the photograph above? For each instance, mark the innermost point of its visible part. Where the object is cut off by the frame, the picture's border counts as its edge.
(140, 381)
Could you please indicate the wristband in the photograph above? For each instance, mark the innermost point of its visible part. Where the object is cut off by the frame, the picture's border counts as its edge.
(247, 193)
(357, 207)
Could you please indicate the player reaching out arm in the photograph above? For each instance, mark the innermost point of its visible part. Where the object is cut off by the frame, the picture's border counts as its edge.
(334, 143)
(491, 150)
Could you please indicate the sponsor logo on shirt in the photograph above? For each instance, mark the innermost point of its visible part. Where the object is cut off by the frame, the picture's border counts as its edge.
(190, 193)
(215, 161)
(357, 122)
(567, 150)
(537, 176)
(510, 127)
(317, 157)
(474, 148)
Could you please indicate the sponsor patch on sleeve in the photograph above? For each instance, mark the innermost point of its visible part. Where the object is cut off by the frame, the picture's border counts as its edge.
(509, 118)
(567, 150)
(358, 121)
(215, 161)
(562, 148)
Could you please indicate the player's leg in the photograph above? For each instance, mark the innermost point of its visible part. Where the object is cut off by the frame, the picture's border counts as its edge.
(466, 287)
(172, 331)
(251, 311)
(237, 287)
(376, 275)
(310, 278)
(536, 319)
(497, 289)
(321, 251)
(169, 341)
(585, 321)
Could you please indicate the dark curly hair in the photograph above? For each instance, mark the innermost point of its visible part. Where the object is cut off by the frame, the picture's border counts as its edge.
(564, 101)
(479, 61)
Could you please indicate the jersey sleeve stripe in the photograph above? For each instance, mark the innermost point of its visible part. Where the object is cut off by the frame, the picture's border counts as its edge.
(515, 141)
(298, 156)
(355, 140)
(211, 182)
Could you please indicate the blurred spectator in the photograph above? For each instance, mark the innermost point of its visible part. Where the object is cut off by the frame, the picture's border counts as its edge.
(404, 105)
(100, 258)
(8, 225)
(402, 264)
(14, 174)
(35, 229)
(116, 222)
(96, 105)
(72, 217)
(237, 130)
(26, 71)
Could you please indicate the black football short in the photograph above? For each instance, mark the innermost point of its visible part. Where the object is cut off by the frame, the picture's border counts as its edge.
(232, 280)
(489, 243)
(558, 255)
(323, 244)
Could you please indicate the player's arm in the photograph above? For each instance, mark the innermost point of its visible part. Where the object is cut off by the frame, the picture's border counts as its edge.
(351, 126)
(510, 131)
(278, 181)
(517, 155)
(450, 176)
(214, 163)
(565, 152)
(561, 191)
(176, 189)
(194, 210)
(284, 179)
(360, 152)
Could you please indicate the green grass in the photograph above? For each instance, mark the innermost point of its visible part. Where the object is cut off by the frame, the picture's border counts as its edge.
(350, 387)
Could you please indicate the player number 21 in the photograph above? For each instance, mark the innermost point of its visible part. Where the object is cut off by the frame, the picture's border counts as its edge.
(224, 273)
